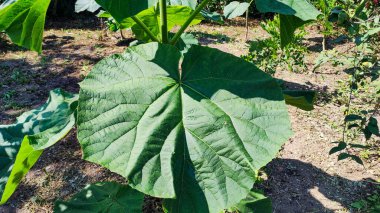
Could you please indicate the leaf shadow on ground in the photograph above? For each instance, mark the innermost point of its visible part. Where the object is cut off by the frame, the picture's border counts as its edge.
(297, 187)
(324, 96)
(85, 21)
(207, 39)
(25, 80)
(331, 43)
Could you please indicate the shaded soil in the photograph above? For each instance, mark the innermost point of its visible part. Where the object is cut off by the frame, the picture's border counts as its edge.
(304, 177)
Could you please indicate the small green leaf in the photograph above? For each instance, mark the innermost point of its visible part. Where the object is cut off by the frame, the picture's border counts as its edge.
(353, 145)
(357, 159)
(22, 143)
(343, 156)
(353, 117)
(340, 147)
(24, 22)
(373, 126)
(104, 197)
(353, 126)
(367, 133)
(235, 9)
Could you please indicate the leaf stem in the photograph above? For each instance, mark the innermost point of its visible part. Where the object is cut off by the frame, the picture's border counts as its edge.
(188, 21)
(163, 22)
(145, 28)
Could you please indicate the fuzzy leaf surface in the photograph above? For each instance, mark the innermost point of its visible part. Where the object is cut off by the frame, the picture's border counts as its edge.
(194, 132)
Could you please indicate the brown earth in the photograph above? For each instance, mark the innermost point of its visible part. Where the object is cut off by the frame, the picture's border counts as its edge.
(304, 177)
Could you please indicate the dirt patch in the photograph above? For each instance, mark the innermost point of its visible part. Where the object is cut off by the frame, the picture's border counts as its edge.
(304, 178)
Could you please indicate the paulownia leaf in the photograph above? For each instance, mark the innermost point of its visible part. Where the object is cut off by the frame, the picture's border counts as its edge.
(195, 131)
(288, 25)
(24, 21)
(6, 3)
(293, 14)
(302, 9)
(176, 16)
(107, 197)
(22, 143)
(89, 5)
(122, 9)
(190, 3)
(235, 9)
(212, 16)
(186, 41)
(300, 99)
(255, 202)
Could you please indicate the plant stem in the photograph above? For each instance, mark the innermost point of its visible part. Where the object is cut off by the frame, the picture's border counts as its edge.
(246, 24)
(163, 22)
(145, 28)
(188, 21)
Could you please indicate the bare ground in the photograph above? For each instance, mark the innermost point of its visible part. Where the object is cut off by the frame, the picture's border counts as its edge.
(304, 178)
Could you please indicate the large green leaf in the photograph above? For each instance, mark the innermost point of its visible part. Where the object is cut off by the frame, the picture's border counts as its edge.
(255, 202)
(122, 9)
(190, 3)
(107, 197)
(86, 5)
(176, 16)
(6, 3)
(24, 22)
(288, 25)
(195, 131)
(235, 9)
(302, 9)
(22, 143)
(293, 14)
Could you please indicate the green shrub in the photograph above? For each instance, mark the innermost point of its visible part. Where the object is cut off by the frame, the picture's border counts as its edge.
(268, 54)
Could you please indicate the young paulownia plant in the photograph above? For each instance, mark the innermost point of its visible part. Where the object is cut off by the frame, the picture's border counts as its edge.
(190, 127)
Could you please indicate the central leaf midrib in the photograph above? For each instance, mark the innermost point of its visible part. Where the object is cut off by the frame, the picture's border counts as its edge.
(247, 156)
(137, 124)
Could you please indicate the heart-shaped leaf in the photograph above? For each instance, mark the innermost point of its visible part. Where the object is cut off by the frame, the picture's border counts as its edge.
(21, 144)
(24, 22)
(194, 131)
(103, 197)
